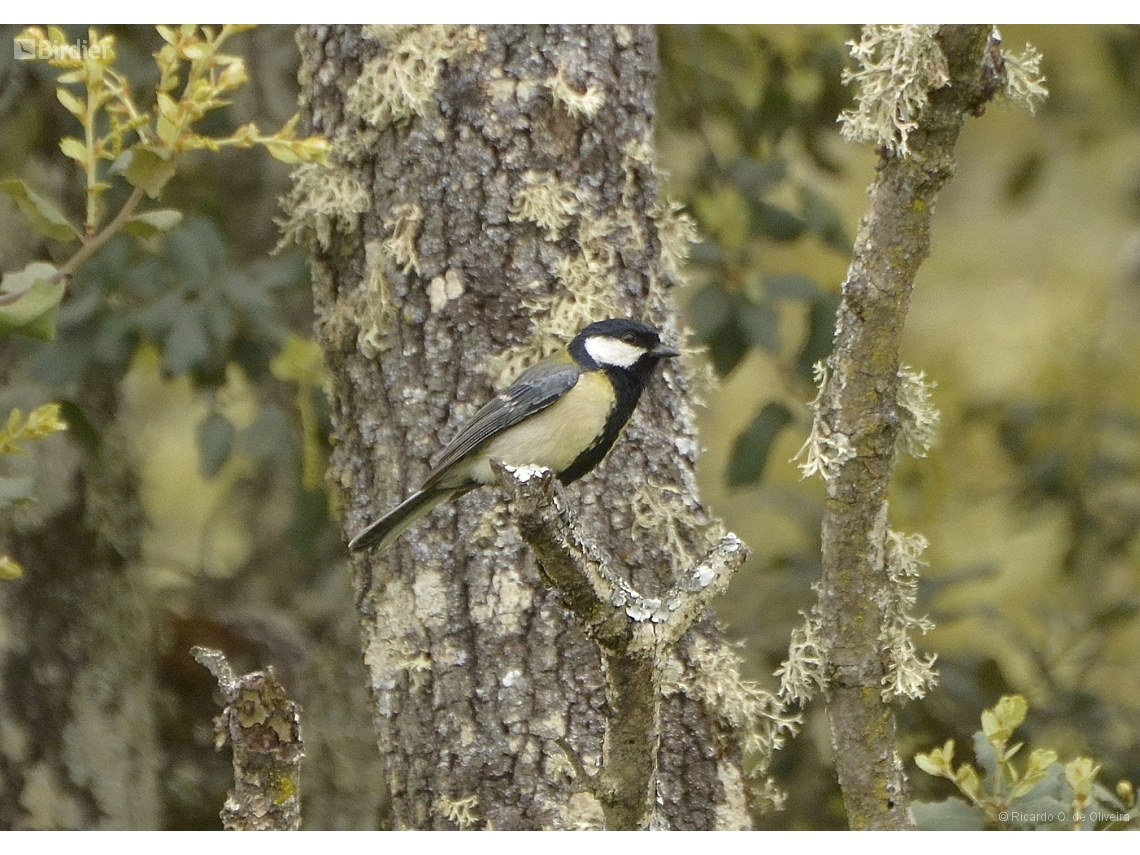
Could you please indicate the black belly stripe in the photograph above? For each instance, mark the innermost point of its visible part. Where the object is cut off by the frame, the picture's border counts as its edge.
(627, 391)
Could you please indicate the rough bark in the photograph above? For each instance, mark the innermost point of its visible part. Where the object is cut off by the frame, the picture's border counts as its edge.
(263, 729)
(494, 190)
(78, 741)
(860, 402)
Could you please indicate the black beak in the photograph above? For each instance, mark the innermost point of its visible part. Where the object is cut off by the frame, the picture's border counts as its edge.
(663, 351)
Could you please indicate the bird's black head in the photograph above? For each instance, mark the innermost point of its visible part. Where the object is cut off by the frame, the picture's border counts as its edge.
(622, 344)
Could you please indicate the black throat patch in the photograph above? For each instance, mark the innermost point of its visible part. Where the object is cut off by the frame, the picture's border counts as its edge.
(627, 392)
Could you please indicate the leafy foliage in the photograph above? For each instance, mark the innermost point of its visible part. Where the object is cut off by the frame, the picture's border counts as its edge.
(741, 98)
(139, 145)
(1043, 794)
(40, 423)
(199, 311)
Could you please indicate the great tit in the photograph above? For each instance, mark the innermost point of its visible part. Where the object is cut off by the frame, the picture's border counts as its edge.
(563, 414)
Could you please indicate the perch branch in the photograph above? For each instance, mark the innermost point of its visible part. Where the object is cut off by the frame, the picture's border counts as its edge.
(634, 633)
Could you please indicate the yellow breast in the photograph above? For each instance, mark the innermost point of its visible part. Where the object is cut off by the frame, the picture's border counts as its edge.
(554, 437)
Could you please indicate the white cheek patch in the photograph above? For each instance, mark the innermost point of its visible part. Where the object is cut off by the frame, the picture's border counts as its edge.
(611, 351)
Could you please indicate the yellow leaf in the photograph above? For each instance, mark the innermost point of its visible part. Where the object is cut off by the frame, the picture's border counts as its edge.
(167, 105)
(968, 781)
(167, 131)
(75, 149)
(31, 34)
(299, 361)
(44, 421)
(9, 568)
(13, 427)
(74, 106)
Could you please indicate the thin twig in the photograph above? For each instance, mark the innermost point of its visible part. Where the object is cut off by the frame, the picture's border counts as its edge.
(90, 247)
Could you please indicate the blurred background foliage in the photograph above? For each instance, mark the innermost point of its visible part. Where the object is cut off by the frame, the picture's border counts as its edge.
(1027, 316)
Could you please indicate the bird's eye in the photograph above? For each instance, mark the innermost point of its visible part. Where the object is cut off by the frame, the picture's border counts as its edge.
(629, 338)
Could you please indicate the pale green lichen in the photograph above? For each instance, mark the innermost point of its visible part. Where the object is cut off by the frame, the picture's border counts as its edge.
(321, 200)
(403, 224)
(400, 83)
(908, 674)
(459, 811)
(585, 299)
(637, 155)
(669, 515)
(763, 721)
(824, 451)
(1024, 82)
(918, 417)
(804, 673)
(545, 201)
(577, 104)
(677, 232)
(899, 65)
(373, 316)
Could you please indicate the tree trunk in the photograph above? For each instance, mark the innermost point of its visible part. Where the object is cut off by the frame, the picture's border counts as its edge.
(78, 740)
(492, 191)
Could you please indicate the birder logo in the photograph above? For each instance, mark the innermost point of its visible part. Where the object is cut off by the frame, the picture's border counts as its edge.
(25, 49)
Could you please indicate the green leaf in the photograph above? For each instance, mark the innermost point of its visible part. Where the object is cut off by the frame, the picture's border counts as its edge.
(270, 436)
(74, 148)
(985, 754)
(41, 213)
(950, 815)
(759, 322)
(151, 224)
(823, 220)
(821, 332)
(73, 105)
(187, 344)
(115, 343)
(709, 310)
(215, 443)
(145, 168)
(751, 449)
(728, 347)
(757, 177)
(775, 222)
(35, 311)
(14, 490)
(794, 286)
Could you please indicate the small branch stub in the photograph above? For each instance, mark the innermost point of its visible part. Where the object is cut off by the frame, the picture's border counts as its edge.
(264, 728)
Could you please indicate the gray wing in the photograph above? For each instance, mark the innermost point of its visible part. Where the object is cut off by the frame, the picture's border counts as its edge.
(533, 391)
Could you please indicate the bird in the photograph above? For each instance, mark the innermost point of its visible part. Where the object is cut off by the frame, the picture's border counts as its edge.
(563, 414)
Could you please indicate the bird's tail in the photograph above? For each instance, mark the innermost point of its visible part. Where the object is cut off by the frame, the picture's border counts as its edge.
(381, 533)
